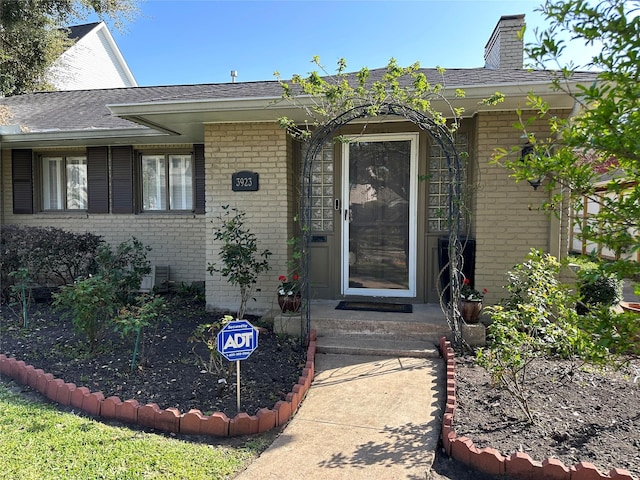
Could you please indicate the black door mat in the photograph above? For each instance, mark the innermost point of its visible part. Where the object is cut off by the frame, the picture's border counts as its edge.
(375, 307)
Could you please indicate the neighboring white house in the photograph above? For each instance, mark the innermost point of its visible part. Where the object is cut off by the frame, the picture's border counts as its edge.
(93, 61)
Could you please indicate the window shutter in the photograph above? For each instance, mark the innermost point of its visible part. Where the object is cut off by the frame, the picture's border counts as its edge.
(122, 179)
(98, 179)
(198, 154)
(22, 179)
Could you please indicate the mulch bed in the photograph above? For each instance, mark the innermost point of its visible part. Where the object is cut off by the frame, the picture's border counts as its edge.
(169, 374)
(582, 413)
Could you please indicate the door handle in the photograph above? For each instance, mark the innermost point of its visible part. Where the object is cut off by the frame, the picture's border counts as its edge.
(336, 204)
(348, 216)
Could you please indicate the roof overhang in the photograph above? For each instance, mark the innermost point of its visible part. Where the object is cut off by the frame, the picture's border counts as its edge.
(82, 137)
(182, 116)
(183, 121)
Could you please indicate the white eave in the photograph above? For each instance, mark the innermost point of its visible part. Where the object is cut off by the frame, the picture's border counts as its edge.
(176, 116)
(183, 121)
(80, 137)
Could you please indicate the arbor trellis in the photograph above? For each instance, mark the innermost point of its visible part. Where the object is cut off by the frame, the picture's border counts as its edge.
(387, 97)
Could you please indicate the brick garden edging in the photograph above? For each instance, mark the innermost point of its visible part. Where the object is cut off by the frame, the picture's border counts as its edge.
(151, 415)
(517, 465)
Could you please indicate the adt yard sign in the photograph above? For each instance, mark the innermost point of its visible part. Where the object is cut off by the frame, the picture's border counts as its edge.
(237, 340)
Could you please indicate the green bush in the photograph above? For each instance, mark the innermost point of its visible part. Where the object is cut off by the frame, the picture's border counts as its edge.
(539, 319)
(132, 320)
(536, 320)
(207, 335)
(124, 268)
(596, 286)
(91, 303)
(51, 256)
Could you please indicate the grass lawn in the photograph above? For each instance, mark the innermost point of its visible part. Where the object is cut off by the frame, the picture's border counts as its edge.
(39, 442)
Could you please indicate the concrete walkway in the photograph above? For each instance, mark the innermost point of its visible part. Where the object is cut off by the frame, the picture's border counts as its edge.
(364, 417)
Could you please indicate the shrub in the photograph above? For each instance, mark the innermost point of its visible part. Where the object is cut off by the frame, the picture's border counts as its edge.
(207, 335)
(596, 286)
(536, 320)
(124, 267)
(51, 256)
(147, 311)
(91, 303)
(241, 263)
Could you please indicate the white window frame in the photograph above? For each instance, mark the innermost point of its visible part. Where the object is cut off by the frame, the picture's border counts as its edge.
(63, 180)
(173, 188)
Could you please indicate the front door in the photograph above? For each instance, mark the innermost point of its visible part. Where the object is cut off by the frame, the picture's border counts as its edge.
(379, 215)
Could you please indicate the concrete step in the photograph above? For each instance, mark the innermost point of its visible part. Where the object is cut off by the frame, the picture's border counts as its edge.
(376, 345)
(426, 323)
(425, 331)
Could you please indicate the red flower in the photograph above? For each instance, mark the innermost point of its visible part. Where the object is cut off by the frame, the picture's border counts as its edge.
(282, 278)
(466, 281)
(295, 277)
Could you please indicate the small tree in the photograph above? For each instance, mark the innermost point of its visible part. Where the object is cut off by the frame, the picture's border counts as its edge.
(241, 261)
(592, 158)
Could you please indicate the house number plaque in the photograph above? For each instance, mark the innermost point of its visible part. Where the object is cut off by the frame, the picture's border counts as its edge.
(244, 181)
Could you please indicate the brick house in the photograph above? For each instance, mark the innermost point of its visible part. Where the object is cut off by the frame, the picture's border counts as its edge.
(158, 162)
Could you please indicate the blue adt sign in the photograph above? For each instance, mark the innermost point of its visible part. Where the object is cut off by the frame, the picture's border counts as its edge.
(237, 340)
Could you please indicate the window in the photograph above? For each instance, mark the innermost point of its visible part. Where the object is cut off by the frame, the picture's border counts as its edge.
(438, 185)
(167, 182)
(64, 183)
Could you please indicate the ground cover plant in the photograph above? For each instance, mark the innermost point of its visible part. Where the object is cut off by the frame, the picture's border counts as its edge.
(39, 442)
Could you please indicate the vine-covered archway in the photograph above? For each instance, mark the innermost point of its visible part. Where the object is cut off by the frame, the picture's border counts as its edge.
(443, 137)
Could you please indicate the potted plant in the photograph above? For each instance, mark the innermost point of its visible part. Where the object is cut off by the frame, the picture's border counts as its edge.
(470, 301)
(289, 296)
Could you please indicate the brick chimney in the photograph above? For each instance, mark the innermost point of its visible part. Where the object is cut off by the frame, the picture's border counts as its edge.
(504, 49)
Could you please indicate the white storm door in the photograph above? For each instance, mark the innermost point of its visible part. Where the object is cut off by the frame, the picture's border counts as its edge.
(379, 195)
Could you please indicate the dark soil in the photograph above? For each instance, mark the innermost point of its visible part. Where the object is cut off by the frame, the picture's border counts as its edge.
(168, 372)
(582, 413)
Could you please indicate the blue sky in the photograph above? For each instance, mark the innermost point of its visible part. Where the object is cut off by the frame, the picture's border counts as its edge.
(201, 41)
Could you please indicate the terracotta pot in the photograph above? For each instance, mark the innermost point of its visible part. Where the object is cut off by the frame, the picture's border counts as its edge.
(470, 310)
(290, 303)
(630, 307)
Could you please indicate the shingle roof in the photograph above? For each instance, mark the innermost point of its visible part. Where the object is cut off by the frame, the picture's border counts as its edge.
(76, 32)
(86, 109)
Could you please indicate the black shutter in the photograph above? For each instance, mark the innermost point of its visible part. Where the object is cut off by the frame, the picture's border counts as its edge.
(22, 178)
(198, 159)
(98, 179)
(122, 179)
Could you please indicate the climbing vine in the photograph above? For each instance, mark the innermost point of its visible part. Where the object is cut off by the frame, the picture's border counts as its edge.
(330, 101)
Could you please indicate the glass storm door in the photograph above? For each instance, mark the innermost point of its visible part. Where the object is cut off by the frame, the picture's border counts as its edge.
(379, 215)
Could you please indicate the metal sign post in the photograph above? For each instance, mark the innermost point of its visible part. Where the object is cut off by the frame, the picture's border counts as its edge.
(236, 341)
